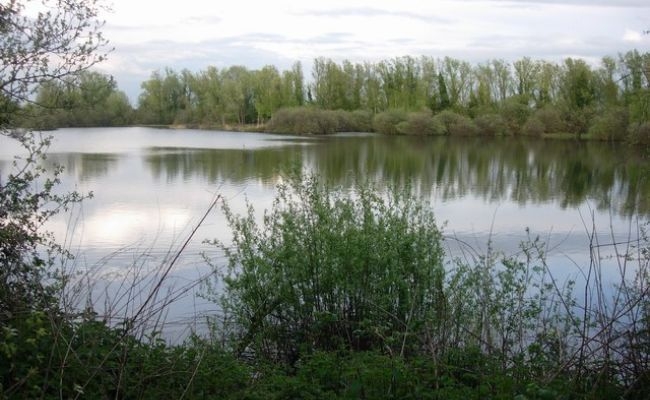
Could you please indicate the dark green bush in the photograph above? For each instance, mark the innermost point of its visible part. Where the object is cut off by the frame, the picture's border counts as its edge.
(490, 125)
(515, 113)
(611, 125)
(359, 121)
(551, 119)
(420, 123)
(455, 124)
(386, 122)
(51, 358)
(533, 127)
(309, 120)
(578, 120)
(639, 134)
(304, 121)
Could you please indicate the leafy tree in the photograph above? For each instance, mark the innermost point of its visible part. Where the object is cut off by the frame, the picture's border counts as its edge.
(457, 75)
(526, 77)
(87, 99)
(62, 40)
(163, 97)
(578, 93)
(443, 95)
(267, 91)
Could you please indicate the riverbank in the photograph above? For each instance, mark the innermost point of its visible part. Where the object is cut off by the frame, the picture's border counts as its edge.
(545, 124)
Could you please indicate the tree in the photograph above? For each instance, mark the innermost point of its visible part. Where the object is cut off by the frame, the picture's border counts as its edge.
(267, 84)
(578, 93)
(62, 40)
(526, 75)
(87, 99)
(163, 97)
(444, 96)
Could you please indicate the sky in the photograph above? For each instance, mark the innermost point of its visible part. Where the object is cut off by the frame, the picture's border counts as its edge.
(150, 35)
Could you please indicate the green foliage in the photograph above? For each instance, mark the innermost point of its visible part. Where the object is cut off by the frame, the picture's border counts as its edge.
(421, 123)
(314, 121)
(455, 124)
(328, 270)
(27, 256)
(388, 121)
(88, 99)
(533, 127)
(544, 120)
(639, 134)
(234, 95)
(61, 40)
(490, 125)
(55, 358)
(612, 125)
(567, 96)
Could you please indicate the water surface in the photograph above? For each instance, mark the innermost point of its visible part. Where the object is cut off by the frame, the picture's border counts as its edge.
(151, 187)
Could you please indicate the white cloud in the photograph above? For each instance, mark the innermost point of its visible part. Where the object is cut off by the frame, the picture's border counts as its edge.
(150, 34)
(632, 36)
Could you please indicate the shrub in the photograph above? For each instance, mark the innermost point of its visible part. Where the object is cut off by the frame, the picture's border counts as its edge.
(304, 120)
(515, 113)
(612, 125)
(577, 121)
(351, 121)
(386, 122)
(455, 124)
(551, 119)
(533, 127)
(639, 134)
(308, 120)
(359, 121)
(328, 270)
(420, 123)
(490, 125)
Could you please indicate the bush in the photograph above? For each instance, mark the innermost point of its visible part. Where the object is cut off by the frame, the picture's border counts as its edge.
(544, 120)
(386, 122)
(490, 125)
(515, 113)
(551, 119)
(639, 134)
(455, 124)
(420, 123)
(533, 127)
(314, 121)
(304, 121)
(359, 121)
(612, 125)
(578, 120)
(327, 271)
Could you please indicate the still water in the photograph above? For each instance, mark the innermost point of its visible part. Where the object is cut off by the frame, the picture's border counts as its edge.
(151, 187)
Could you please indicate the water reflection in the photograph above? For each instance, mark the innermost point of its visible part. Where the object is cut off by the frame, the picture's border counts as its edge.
(84, 166)
(524, 172)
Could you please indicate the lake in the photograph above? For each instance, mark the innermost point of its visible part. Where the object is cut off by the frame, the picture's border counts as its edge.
(152, 186)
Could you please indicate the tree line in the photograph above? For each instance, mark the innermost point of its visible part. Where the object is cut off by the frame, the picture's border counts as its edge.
(401, 95)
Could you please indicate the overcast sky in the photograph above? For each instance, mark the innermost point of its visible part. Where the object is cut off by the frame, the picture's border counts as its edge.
(150, 35)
